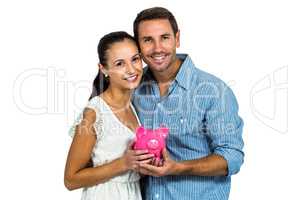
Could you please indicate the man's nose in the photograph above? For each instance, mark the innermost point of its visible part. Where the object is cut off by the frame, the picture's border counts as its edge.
(157, 46)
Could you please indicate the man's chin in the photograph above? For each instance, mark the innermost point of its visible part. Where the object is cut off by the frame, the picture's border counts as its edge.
(158, 68)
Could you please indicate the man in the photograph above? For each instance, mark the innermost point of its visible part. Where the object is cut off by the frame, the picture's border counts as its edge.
(204, 146)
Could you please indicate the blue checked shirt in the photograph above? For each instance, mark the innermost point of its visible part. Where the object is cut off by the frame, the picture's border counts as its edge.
(202, 115)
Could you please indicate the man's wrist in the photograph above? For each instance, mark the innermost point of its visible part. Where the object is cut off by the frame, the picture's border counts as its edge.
(179, 168)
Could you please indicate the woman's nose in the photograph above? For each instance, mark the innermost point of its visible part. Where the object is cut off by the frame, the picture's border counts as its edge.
(130, 68)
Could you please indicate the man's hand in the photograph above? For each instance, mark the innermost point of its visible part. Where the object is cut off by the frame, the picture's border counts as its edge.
(168, 167)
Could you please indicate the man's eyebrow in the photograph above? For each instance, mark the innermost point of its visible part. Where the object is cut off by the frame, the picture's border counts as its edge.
(146, 37)
(150, 37)
(166, 34)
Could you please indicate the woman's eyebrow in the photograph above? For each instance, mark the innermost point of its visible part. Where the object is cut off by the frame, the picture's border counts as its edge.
(138, 54)
(121, 60)
(118, 60)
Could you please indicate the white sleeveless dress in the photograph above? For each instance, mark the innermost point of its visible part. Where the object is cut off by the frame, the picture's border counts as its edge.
(112, 140)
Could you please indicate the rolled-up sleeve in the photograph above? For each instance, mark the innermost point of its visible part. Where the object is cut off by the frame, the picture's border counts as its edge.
(224, 128)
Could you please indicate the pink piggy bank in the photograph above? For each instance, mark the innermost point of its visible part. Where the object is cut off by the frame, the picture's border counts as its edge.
(152, 140)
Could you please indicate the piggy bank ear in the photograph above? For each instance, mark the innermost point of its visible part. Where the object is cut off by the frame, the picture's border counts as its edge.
(140, 132)
(164, 131)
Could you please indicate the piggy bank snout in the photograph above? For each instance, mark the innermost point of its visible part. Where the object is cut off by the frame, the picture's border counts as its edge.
(151, 139)
(153, 144)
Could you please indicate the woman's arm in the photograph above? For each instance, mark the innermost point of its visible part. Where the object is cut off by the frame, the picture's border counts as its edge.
(77, 174)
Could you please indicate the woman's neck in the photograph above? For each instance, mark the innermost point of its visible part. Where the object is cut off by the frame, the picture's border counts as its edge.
(117, 98)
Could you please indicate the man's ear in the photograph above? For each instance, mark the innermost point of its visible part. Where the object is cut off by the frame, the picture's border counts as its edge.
(177, 39)
(102, 69)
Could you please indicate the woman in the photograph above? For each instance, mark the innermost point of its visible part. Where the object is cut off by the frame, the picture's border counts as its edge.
(104, 133)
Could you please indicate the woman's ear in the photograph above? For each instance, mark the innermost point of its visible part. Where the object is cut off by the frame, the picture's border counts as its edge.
(102, 69)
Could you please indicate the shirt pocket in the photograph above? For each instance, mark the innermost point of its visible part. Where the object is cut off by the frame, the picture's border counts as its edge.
(186, 139)
(192, 123)
(175, 123)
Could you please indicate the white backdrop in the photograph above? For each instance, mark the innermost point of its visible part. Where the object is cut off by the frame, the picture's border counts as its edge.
(48, 60)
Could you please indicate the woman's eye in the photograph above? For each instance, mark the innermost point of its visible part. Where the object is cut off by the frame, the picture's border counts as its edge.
(119, 64)
(136, 59)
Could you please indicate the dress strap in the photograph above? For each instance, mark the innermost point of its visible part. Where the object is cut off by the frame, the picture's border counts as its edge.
(134, 111)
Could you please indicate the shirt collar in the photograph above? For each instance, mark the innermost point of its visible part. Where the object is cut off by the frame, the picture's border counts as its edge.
(183, 75)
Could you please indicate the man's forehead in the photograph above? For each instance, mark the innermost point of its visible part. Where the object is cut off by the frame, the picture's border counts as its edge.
(154, 27)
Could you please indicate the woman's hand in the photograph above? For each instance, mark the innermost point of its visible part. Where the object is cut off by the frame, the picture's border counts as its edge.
(133, 158)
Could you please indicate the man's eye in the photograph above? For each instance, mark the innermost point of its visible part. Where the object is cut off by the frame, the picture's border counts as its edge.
(147, 40)
(165, 37)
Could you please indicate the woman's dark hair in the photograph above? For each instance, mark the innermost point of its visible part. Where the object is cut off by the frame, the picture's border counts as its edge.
(101, 82)
(154, 13)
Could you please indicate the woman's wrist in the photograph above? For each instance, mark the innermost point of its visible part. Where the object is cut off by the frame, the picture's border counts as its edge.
(122, 165)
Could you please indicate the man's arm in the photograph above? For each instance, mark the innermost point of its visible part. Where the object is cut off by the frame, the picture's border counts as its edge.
(212, 165)
(224, 128)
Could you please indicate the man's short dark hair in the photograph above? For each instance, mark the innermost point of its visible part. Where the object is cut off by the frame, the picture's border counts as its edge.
(154, 13)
